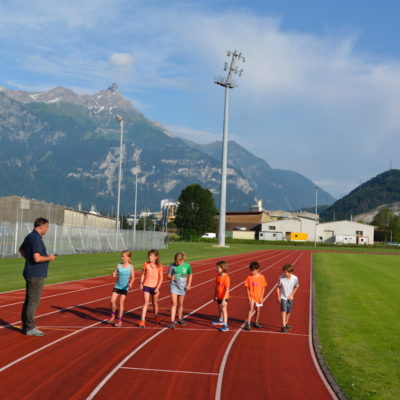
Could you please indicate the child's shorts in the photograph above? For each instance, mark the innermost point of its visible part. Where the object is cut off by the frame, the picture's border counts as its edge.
(120, 291)
(149, 289)
(286, 305)
(219, 301)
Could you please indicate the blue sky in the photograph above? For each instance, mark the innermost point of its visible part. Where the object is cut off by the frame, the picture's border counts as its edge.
(320, 92)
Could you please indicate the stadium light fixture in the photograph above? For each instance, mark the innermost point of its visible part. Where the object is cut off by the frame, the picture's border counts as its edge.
(227, 83)
(121, 124)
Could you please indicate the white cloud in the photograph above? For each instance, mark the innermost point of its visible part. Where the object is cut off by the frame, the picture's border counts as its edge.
(121, 60)
(198, 136)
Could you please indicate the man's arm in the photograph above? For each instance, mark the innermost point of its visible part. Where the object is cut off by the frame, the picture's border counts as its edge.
(39, 258)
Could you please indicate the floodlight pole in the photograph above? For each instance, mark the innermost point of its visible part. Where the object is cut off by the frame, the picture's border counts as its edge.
(316, 218)
(134, 219)
(227, 84)
(121, 124)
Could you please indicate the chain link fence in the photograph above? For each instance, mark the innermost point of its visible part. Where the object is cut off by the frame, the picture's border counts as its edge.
(62, 239)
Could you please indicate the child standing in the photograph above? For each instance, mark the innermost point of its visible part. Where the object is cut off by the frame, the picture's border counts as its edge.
(255, 284)
(287, 287)
(180, 275)
(125, 277)
(222, 284)
(150, 283)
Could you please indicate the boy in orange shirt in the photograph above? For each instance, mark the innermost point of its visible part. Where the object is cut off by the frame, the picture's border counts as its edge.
(255, 284)
(221, 296)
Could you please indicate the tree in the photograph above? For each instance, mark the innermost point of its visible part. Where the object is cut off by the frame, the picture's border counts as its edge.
(196, 212)
(388, 221)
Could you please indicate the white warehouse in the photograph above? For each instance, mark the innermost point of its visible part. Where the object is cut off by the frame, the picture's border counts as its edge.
(305, 229)
(345, 232)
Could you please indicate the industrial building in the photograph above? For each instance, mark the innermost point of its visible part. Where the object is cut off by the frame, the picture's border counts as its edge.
(20, 209)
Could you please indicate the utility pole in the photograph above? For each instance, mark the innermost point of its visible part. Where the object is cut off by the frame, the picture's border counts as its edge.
(227, 83)
(316, 216)
(121, 123)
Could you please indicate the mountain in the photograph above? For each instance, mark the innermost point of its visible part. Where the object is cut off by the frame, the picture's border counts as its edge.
(280, 189)
(380, 190)
(63, 147)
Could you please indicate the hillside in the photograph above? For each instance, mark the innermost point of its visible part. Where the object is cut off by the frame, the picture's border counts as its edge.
(63, 147)
(380, 190)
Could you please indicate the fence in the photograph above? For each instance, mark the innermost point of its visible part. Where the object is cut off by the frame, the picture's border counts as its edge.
(74, 240)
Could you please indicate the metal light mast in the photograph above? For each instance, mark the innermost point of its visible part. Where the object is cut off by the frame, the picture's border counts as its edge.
(227, 83)
(121, 123)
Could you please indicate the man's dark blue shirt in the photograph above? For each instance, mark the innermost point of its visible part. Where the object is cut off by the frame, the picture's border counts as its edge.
(33, 243)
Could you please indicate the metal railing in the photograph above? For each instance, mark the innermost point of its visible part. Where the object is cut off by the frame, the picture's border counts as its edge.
(75, 240)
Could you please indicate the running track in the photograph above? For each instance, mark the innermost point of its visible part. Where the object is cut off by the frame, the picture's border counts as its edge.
(82, 358)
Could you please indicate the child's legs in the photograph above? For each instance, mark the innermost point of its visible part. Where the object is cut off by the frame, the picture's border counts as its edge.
(113, 301)
(287, 318)
(224, 311)
(283, 318)
(251, 311)
(174, 297)
(154, 299)
(146, 300)
(180, 306)
(121, 305)
(258, 309)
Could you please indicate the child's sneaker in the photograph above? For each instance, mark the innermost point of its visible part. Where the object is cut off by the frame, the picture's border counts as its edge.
(157, 320)
(247, 327)
(171, 325)
(256, 325)
(141, 324)
(224, 328)
(288, 327)
(218, 322)
(118, 324)
(284, 330)
(181, 322)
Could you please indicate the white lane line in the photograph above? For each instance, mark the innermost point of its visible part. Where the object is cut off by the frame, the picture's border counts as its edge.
(218, 389)
(310, 342)
(102, 298)
(91, 287)
(130, 355)
(169, 370)
(60, 294)
(97, 323)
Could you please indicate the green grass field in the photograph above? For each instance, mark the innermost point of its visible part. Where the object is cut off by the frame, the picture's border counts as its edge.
(72, 267)
(358, 303)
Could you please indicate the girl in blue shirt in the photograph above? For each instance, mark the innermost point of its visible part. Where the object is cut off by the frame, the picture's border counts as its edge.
(125, 275)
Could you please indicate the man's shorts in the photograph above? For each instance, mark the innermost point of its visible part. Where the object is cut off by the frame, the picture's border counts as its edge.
(149, 289)
(120, 291)
(286, 305)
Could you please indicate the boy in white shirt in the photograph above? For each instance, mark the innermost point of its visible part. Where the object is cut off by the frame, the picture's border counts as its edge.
(287, 287)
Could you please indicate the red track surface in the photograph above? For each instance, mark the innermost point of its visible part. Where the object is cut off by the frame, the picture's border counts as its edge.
(81, 357)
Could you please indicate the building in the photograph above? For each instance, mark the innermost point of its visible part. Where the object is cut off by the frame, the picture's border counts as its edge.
(20, 209)
(345, 232)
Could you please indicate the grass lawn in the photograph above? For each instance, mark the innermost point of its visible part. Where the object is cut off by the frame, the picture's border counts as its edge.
(358, 313)
(72, 267)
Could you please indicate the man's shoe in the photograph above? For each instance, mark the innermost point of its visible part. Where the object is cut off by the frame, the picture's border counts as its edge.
(256, 325)
(34, 332)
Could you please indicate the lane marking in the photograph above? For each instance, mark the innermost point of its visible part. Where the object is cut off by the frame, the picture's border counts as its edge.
(130, 355)
(169, 370)
(218, 389)
(103, 321)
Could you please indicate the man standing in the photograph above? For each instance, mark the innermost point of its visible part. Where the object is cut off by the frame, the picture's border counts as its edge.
(35, 271)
